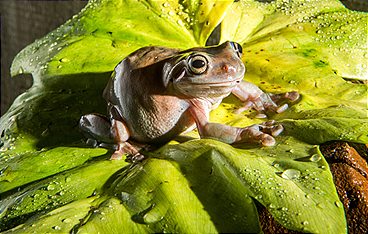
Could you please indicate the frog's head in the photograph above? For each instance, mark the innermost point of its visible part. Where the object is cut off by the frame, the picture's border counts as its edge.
(210, 72)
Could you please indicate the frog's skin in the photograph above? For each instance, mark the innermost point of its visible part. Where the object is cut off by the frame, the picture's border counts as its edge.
(156, 93)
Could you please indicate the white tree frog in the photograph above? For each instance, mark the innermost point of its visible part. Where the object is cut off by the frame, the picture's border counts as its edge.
(156, 93)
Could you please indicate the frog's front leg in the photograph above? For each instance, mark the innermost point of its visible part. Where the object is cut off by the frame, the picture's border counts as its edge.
(108, 134)
(257, 133)
(254, 97)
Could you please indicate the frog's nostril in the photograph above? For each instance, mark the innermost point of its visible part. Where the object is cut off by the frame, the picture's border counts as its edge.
(225, 68)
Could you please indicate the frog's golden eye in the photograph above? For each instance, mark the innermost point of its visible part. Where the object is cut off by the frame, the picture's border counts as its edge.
(198, 64)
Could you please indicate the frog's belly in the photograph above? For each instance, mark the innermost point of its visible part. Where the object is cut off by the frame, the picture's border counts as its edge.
(159, 122)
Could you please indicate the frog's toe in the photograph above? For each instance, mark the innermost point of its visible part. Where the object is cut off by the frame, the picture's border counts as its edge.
(271, 128)
(288, 96)
(117, 155)
(262, 133)
(92, 142)
(267, 140)
(292, 96)
(254, 134)
(125, 148)
(135, 158)
(277, 130)
(282, 108)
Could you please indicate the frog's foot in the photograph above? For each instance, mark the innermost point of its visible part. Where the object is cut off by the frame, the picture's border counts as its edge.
(261, 133)
(288, 96)
(126, 148)
(274, 103)
(263, 103)
(135, 158)
(268, 102)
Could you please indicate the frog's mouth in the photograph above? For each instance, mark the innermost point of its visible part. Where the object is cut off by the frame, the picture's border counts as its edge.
(215, 85)
(212, 89)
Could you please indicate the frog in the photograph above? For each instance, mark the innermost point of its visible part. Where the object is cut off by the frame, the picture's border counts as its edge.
(157, 93)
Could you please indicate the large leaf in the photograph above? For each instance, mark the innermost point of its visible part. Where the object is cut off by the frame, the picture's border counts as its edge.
(50, 178)
(321, 29)
(104, 32)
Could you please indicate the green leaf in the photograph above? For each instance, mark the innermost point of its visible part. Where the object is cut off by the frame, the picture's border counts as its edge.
(59, 189)
(50, 181)
(106, 31)
(292, 180)
(59, 220)
(322, 29)
(293, 46)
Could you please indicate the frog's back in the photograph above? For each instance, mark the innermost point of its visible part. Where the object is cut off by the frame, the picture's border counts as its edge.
(138, 93)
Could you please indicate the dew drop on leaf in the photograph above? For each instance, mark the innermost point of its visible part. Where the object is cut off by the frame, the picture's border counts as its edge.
(64, 60)
(337, 204)
(50, 187)
(166, 4)
(291, 174)
(315, 158)
(124, 196)
(56, 228)
(67, 220)
(21, 70)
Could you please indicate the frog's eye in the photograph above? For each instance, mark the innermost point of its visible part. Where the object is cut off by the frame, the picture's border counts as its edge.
(198, 64)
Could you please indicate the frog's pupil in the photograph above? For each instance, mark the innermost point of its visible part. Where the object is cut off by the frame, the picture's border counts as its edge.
(198, 63)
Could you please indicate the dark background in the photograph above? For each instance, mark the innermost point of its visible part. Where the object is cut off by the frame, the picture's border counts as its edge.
(22, 22)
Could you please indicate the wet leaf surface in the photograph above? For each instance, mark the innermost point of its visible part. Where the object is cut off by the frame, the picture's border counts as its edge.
(50, 181)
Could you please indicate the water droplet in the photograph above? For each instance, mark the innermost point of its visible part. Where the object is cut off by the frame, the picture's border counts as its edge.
(56, 228)
(337, 204)
(20, 70)
(67, 220)
(45, 132)
(166, 4)
(152, 217)
(64, 60)
(305, 223)
(50, 187)
(315, 158)
(291, 174)
(124, 196)
(68, 179)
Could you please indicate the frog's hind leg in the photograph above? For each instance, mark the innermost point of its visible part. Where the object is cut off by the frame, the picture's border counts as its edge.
(121, 135)
(114, 134)
(96, 128)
